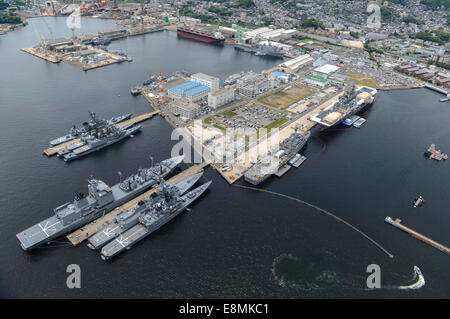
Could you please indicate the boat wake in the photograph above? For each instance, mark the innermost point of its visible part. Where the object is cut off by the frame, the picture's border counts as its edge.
(290, 271)
(420, 280)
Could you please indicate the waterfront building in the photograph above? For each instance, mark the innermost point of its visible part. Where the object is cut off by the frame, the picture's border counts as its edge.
(191, 91)
(220, 97)
(210, 81)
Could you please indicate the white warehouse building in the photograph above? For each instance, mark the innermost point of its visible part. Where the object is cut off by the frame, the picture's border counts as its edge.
(296, 64)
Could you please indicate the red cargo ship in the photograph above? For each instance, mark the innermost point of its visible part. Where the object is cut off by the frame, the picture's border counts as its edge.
(201, 36)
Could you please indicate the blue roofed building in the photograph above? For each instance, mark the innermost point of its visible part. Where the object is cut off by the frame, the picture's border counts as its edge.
(191, 91)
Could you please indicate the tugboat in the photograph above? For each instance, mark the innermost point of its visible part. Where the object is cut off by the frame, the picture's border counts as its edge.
(419, 201)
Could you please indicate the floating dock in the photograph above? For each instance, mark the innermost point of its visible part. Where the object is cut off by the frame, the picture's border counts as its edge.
(90, 229)
(140, 118)
(397, 223)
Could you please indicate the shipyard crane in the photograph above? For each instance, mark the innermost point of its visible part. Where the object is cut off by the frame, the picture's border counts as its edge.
(160, 88)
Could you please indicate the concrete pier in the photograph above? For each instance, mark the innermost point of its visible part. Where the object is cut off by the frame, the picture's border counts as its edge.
(426, 240)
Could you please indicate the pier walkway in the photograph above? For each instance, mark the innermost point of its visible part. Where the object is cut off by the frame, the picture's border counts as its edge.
(425, 239)
(322, 211)
(140, 118)
(90, 229)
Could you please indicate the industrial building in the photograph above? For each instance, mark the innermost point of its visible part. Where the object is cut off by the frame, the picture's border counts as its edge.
(325, 70)
(207, 80)
(296, 64)
(266, 33)
(183, 108)
(191, 91)
(316, 80)
(283, 77)
(252, 84)
(220, 97)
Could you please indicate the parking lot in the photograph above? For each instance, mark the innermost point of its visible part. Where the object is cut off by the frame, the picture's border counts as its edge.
(246, 116)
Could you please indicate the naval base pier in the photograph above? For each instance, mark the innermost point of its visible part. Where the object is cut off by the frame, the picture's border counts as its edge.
(90, 229)
(140, 118)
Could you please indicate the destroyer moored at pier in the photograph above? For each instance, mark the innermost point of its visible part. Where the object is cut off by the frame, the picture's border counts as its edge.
(165, 205)
(86, 127)
(129, 218)
(100, 199)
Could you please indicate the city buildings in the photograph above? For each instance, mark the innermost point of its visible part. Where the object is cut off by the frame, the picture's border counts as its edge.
(220, 97)
(183, 108)
(206, 80)
(252, 84)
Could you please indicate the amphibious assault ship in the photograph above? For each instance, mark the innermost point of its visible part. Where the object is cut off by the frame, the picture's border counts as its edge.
(129, 218)
(273, 162)
(86, 127)
(100, 199)
(163, 206)
(353, 101)
(97, 139)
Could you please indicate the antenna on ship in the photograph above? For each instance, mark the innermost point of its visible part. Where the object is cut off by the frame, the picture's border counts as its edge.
(120, 176)
(151, 159)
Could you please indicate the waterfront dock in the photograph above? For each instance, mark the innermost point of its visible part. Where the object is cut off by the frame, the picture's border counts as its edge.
(397, 223)
(90, 229)
(140, 118)
(437, 88)
(39, 54)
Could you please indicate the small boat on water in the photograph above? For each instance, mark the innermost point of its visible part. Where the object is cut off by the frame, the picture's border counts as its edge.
(350, 120)
(359, 122)
(419, 201)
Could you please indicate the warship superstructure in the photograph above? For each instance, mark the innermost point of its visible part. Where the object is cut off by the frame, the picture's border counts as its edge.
(163, 206)
(100, 199)
(87, 127)
(95, 141)
(353, 101)
(129, 218)
(273, 161)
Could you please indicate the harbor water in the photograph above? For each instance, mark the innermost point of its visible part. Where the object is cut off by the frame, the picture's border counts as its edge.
(233, 242)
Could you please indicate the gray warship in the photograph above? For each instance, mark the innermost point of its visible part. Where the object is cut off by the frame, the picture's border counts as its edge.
(100, 199)
(163, 206)
(86, 127)
(95, 141)
(272, 162)
(129, 218)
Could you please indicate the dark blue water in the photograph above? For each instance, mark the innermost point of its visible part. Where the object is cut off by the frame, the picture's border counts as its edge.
(234, 242)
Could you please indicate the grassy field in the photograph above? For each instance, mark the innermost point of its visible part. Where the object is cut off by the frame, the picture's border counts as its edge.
(276, 123)
(229, 113)
(282, 99)
(360, 79)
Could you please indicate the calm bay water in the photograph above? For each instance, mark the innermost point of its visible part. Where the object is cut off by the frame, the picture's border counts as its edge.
(234, 242)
